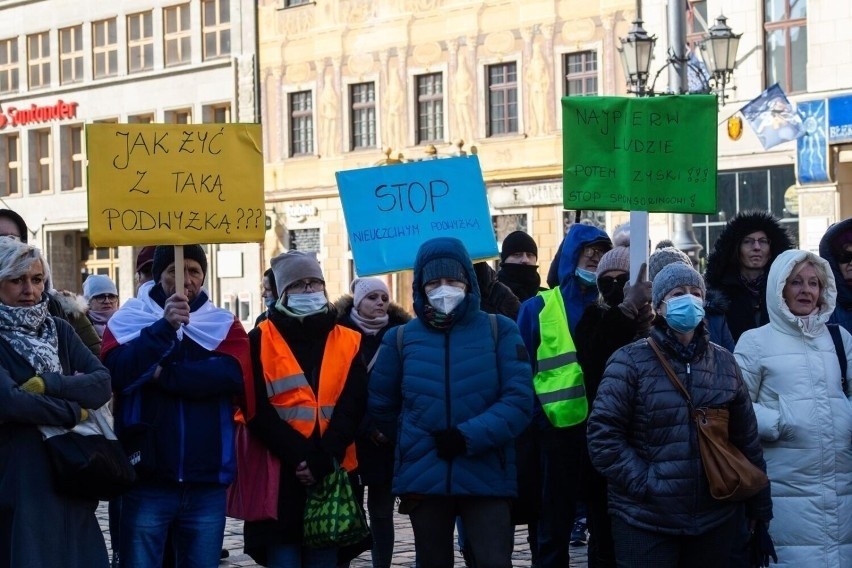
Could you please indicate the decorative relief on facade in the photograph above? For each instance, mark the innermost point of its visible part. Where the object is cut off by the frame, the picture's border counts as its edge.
(500, 43)
(538, 81)
(427, 54)
(578, 30)
(463, 91)
(298, 72)
(360, 63)
(299, 21)
(329, 111)
(422, 5)
(394, 102)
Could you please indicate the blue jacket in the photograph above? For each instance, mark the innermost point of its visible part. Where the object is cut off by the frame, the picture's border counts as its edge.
(453, 378)
(190, 406)
(843, 310)
(575, 296)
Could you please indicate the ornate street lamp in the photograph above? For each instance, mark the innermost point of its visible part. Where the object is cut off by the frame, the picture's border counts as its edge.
(720, 47)
(636, 51)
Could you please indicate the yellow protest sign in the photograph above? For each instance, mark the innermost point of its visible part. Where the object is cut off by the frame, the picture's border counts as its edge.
(153, 184)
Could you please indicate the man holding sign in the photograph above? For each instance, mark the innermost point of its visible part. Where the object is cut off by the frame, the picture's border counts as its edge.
(176, 363)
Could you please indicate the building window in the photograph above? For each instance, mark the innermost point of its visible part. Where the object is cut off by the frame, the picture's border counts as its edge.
(301, 123)
(140, 119)
(71, 55)
(307, 240)
(103, 261)
(430, 108)
(140, 42)
(291, 3)
(362, 98)
(38, 59)
(216, 24)
(763, 188)
(581, 73)
(105, 48)
(181, 116)
(73, 158)
(696, 22)
(177, 35)
(217, 114)
(502, 99)
(9, 65)
(786, 44)
(10, 153)
(41, 161)
(509, 223)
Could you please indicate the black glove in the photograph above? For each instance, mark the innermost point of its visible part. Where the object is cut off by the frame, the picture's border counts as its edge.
(762, 548)
(450, 443)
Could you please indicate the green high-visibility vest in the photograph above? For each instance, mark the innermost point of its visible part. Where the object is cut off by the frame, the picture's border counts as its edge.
(559, 381)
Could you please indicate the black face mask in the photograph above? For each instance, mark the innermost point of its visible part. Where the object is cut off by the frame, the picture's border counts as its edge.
(612, 288)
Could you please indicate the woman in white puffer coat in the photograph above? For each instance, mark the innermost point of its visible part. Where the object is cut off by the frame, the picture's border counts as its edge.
(804, 418)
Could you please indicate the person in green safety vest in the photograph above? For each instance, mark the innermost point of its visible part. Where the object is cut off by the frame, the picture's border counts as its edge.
(547, 323)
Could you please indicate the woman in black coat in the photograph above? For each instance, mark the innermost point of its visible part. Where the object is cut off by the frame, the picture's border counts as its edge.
(370, 312)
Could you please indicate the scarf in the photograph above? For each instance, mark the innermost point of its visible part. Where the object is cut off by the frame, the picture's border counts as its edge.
(208, 325)
(810, 322)
(100, 319)
(522, 279)
(32, 334)
(368, 326)
(437, 319)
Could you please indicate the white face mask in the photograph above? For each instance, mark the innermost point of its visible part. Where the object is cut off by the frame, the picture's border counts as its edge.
(306, 303)
(446, 298)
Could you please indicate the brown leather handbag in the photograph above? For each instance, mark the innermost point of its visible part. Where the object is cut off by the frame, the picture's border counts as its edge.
(731, 476)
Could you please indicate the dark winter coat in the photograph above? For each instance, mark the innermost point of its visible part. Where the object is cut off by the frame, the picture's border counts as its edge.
(38, 527)
(522, 279)
(643, 440)
(375, 463)
(453, 378)
(843, 310)
(306, 337)
(715, 308)
(743, 309)
(76, 313)
(495, 297)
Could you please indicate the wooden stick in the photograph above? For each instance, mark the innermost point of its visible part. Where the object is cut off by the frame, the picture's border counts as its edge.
(179, 286)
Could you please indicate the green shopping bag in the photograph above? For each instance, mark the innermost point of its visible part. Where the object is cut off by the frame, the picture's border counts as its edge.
(333, 518)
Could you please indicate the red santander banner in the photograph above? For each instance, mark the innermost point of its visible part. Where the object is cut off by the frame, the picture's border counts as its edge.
(15, 116)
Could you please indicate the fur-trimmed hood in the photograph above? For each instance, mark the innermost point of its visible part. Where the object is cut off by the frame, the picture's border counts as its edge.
(828, 251)
(723, 262)
(73, 304)
(396, 313)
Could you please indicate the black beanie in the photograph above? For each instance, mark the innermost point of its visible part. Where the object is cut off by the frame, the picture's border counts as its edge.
(517, 241)
(17, 220)
(164, 255)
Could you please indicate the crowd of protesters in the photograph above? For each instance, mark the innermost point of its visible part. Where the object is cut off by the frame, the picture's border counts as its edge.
(494, 402)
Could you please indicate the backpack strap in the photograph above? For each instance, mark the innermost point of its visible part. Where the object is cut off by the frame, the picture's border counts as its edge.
(834, 330)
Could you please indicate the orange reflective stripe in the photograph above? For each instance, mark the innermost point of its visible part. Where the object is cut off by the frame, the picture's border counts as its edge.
(288, 389)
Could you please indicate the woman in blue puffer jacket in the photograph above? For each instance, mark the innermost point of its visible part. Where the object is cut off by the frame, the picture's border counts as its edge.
(455, 390)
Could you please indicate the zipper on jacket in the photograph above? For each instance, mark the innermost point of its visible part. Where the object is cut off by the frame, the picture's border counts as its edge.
(448, 403)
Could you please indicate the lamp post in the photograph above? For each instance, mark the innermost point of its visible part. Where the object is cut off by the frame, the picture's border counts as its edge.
(720, 47)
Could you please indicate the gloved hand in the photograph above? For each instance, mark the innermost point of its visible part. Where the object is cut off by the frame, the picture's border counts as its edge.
(84, 415)
(638, 294)
(762, 548)
(450, 443)
(34, 385)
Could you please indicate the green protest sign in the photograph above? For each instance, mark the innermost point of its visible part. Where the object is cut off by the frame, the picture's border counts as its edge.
(640, 154)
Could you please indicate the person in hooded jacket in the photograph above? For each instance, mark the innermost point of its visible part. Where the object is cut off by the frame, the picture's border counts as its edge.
(548, 323)
(737, 268)
(621, 315)
(303, 361)
(836, 247)
(454, 391)
(804, 417)
(370, 311)
(643, 439)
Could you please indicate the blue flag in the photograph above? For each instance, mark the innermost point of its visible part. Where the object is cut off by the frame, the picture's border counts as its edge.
(772, 118)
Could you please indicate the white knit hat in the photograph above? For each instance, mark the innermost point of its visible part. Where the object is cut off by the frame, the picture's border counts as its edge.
(97, 284)
(363, 286)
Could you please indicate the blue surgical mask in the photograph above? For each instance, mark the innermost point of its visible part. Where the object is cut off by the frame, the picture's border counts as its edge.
(587, 277)
(302, 304)
(684, 313)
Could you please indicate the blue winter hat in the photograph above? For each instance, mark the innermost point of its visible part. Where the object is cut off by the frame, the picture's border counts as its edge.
(444, 268)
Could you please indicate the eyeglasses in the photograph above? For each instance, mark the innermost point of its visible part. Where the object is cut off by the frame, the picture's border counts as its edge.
(762, 241)
(304, 286)
(844, 257)
(104, 298)
(592, 252)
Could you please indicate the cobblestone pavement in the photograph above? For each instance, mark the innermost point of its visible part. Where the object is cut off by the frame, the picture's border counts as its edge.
(403, 556)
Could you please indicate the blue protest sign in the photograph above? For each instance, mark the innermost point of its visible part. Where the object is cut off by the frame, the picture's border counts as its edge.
(391, 210)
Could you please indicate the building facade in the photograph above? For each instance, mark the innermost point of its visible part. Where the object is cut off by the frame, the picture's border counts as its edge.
(342, 82)
(67, 64)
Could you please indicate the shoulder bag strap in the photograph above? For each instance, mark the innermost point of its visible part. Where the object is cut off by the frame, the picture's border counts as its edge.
(834, 331)
(669, 371)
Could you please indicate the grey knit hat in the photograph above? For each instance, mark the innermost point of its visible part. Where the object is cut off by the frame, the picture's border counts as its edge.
(444, 268)
(661, 258)
(672, 276)
(295, 265)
